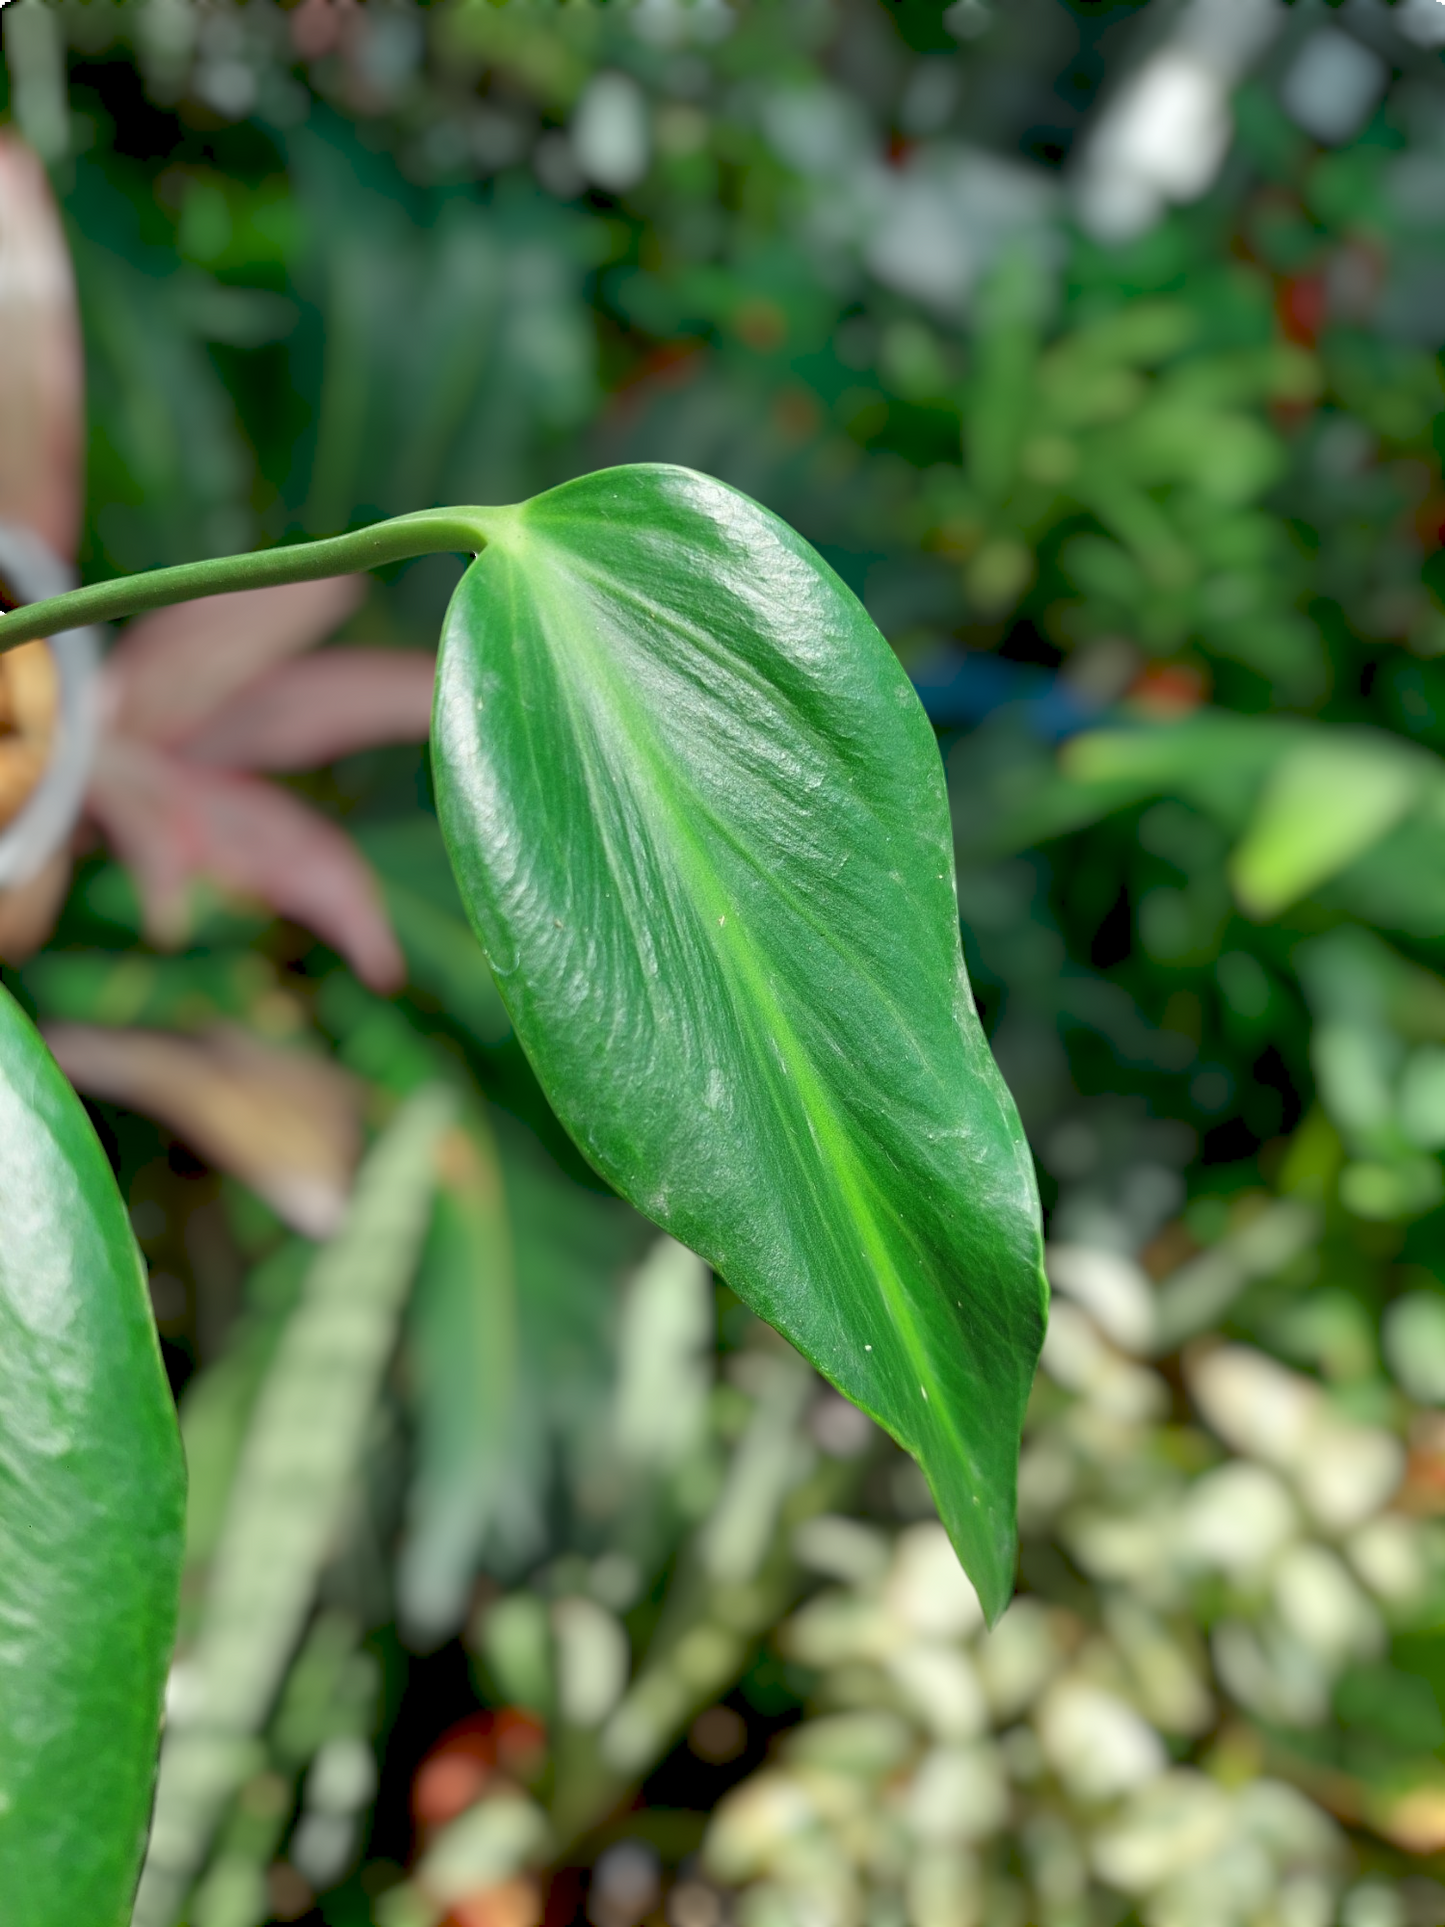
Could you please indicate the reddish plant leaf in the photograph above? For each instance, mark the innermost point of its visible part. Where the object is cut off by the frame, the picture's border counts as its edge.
(285, 1124)
(172, 670)
(302, 714)
(316, 27)
(28, 910)
(41, 370)
(137, 796)
(170, 822)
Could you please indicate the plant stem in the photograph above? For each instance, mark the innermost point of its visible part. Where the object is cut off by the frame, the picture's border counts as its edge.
(429, 532)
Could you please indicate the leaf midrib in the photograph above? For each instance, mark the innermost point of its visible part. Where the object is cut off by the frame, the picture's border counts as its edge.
(797, 904)
(738, 959)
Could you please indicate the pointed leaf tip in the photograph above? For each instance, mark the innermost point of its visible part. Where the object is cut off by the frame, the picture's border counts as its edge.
(699, 820)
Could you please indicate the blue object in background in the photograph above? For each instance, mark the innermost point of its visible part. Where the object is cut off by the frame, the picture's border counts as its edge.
(958, 687)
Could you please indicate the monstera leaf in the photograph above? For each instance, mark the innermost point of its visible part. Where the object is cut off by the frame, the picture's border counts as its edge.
(698, 818)
(91, 1499)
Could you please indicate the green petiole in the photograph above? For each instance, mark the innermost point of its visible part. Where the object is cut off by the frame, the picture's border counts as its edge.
(428, 532)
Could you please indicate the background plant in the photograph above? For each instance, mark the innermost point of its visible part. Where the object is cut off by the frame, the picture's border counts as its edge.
(1152, 522)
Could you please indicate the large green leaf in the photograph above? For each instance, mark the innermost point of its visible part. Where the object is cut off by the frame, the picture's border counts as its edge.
(91, 1503)
(698, 818)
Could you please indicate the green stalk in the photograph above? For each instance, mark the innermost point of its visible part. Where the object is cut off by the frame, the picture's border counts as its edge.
(429, 532)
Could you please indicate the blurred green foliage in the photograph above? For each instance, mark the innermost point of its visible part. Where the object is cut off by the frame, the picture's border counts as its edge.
(1156, 523)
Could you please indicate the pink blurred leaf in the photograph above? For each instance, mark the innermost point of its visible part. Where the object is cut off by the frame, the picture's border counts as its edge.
(172, 670)
(170, 822)
(315, 28)
(287, 1125)
(41, 371)
(302, 714)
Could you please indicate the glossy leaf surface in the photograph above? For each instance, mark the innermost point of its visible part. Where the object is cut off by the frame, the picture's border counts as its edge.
(91, 1511)
(698, 817)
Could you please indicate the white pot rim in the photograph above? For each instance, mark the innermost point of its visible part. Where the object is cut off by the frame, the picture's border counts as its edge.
(43, 826)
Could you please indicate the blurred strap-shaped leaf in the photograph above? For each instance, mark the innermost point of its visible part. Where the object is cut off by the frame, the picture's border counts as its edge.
(1305, 799)
(91, 1511)
(699, 820)
(1330, 798)
(464, 1364)
(289, 1494)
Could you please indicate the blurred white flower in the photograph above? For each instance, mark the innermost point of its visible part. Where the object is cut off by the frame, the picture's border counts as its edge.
(1160, 1668)
(1414, 1344)
(1164, 134)
(1130, 1547)
(322, 1845)
(1389, 1554)
(1254, 1404)
(610, 138)
(1019, 1657)
(486, 1845)
(1348, 1472)
(1373, 1903)
(1048, 1477)
(821, 131)
(927, 1590)
(941, 1689)
(944, 1889)
(1077, 1357)
(1305, 1900)
(958, 1793)
(867, 1745)
(1095, 1741)
(837, 1627)
(1323, 1607)
(593, 1660)
(1172, 1824)
(1295, 1831)
(1229, 1888)
(1270, 1673)
(940, 222)
(841, 1548)
(342, 1777)
(1237, 1517)
(1113, 1289)
(1422, 21)
(1344, 1472)
(1075, 1354)
(753, 1821)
